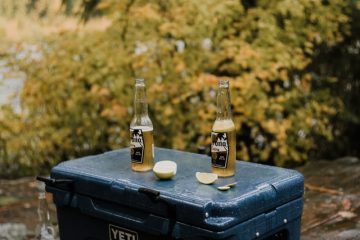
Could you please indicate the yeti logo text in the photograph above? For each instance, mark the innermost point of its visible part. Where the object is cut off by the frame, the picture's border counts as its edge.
(118, 233)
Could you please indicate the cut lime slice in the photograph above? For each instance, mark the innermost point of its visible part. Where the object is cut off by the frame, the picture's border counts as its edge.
(165, 169)
(223, 188)
(206, 178)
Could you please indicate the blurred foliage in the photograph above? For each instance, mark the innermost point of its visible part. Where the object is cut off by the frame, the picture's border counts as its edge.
(77, 100)
(337, 68)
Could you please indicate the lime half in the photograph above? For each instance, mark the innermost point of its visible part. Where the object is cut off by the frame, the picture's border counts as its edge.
(165, 169)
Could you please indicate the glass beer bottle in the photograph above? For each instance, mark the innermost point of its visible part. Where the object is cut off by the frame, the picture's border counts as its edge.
(223, 135)
(141, 132)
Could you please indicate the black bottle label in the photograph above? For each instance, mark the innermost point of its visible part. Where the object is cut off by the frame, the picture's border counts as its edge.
(219, 149)
(137, 145)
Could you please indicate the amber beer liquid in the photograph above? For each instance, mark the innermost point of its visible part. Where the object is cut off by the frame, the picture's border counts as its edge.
(141, 132)
(223, 136)
(142, 144)
(223, 149)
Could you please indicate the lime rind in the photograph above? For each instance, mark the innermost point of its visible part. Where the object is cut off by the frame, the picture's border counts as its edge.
(223, 188)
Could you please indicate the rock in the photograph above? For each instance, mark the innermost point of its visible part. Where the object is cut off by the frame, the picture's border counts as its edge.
(13, 231)
(7, 200)
(347, 214)
(349, 234)
(27, 205)
(348, 160)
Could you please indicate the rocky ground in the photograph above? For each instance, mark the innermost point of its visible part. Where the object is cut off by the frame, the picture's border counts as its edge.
(332, 199)
(331, 211)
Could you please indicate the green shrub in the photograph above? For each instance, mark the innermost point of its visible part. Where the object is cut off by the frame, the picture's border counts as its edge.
(77, 100)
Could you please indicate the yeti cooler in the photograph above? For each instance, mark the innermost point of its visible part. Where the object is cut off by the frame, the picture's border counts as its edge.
(101, 198)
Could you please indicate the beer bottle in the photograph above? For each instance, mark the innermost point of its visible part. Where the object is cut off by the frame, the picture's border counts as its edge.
(223, 135)
(141, 132)
(44, 229)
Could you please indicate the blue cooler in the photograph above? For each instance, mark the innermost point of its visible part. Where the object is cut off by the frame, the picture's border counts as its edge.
(101, 198)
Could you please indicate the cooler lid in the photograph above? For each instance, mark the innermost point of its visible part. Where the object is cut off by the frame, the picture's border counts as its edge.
(109, 177)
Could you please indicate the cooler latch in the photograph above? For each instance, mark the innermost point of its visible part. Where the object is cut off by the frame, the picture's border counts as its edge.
(171, 207)
(56, 182)
(152, 194)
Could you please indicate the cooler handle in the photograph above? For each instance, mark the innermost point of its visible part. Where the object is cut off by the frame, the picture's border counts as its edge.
(151, 222)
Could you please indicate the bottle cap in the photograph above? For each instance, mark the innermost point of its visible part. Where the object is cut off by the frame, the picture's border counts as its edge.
(223, 83)
(140, 81)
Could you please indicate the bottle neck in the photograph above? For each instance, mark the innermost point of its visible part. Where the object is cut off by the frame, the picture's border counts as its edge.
(140, 102)
(223, 104)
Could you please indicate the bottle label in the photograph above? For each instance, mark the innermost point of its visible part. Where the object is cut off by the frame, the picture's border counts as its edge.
(219, 149)
(137, 146)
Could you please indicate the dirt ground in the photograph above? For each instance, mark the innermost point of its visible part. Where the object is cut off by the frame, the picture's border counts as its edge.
(331, 210)
(332, 199)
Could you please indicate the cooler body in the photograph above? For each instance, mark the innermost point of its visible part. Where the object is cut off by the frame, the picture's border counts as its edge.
(103, 199)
